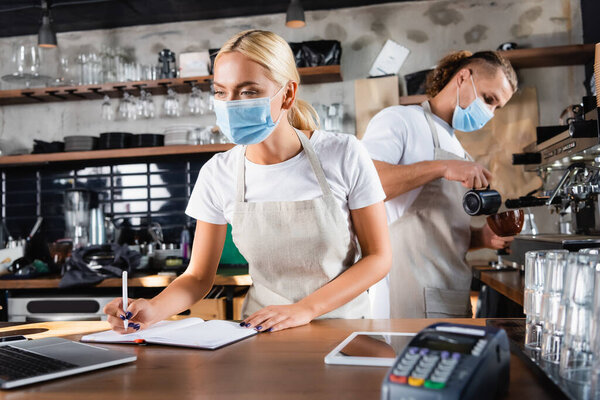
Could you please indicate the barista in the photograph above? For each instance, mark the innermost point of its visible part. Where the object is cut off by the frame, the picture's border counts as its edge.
(300, 200)
(425, 172)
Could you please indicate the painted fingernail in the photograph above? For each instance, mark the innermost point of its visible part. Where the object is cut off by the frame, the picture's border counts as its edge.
(258, 328)
(131, 325)
(128, 315)
(136, 327)
(242, 323)
(122, 317)
(248, 325)
(269, 330)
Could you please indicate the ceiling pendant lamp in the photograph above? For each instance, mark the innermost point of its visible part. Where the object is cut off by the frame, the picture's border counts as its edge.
(46, 35)
(294, 17)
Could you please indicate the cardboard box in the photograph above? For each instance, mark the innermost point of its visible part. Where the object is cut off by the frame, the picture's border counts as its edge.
(193, 64)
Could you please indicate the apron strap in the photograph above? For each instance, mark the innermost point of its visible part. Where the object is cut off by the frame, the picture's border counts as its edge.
(241, 175)
(433, 129)
(312, 159)
(314, 162)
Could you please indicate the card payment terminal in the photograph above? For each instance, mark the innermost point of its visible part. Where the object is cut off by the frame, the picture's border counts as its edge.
(450, 361)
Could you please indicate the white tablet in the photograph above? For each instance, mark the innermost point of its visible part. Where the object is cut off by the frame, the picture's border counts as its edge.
(378, 349)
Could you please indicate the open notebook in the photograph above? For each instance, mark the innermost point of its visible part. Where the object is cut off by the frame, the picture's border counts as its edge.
(188, 332)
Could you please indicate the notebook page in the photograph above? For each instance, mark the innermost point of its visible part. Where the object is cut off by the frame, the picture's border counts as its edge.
(209, 335)
(158, 329)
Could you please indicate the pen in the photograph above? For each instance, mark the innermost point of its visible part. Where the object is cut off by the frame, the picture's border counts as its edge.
(124, 276)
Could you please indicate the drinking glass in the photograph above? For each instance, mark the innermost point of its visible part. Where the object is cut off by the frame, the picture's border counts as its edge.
(205, 135)
(95, 68)
(64, 77)
(18, 59)
(535, 268)
(90, 68)
(209, 101)
(576, 350)
(171, 104)
(107, 111)
(134, 108)
(195, 103)
(553, 326)
(595, 385)
(146, 104)
(335, 117)
(29, 59)
(149, 72)
(136, 72)
(108, 61)
(127, 109)
(119, 68)
(26, 60)
(529, 226)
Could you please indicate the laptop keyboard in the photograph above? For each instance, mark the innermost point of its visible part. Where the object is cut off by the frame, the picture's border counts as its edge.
(16, 364)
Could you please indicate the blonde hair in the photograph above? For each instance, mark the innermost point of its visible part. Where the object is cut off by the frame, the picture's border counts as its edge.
(454, 62)
(275, 55)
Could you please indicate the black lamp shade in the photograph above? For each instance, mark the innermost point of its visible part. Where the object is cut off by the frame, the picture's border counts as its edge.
(46, 35)
(294, 17)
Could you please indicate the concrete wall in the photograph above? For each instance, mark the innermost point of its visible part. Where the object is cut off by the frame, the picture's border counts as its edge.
(428, 28)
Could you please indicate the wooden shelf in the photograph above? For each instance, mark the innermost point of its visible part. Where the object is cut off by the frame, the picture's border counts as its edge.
(556, 56)
(309, 75)
(31, 159)
(577, 54)
(322, 74)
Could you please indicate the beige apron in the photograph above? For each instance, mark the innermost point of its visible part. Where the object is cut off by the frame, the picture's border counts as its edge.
(294, 247)
(429, 276)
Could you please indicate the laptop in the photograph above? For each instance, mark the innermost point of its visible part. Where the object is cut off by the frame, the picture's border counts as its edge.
(33, 361)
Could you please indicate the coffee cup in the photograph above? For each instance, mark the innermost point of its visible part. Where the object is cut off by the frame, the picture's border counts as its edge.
(507, 223)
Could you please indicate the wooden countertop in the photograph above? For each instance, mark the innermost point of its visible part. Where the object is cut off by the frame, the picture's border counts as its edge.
(143, 281)
(281, 365)
(508, 283)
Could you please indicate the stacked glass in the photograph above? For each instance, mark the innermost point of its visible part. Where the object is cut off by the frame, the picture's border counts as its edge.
(595, 378)
(552, 315)
(576, 356)
(536, 266)
(562, 304)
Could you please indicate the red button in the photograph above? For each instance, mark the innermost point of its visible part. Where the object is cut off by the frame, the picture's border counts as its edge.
(139, 341)
(398, 379)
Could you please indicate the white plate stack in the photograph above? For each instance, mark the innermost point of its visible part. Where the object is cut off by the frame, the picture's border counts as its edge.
(181, 134)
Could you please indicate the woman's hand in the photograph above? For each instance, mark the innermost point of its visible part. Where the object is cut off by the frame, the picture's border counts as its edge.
(276, 318)
(141, 313)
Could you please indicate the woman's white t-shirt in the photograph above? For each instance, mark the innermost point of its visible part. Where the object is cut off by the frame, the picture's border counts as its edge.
(348, 168)
(400, 135)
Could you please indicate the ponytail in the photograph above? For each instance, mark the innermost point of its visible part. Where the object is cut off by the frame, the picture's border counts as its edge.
(447, 67)
(303, 116)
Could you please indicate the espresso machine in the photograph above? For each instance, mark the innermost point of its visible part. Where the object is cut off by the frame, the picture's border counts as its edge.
(571, 152)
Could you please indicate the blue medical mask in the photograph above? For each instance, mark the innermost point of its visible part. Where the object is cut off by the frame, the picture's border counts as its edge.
(246, 121)
(472, 118)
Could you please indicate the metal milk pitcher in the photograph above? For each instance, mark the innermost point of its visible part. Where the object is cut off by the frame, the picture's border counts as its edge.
(97, 228)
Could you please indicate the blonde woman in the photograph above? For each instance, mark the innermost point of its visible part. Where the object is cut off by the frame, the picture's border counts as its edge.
(299, 200)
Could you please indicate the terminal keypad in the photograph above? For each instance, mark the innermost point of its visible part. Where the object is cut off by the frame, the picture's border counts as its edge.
(423, 367)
